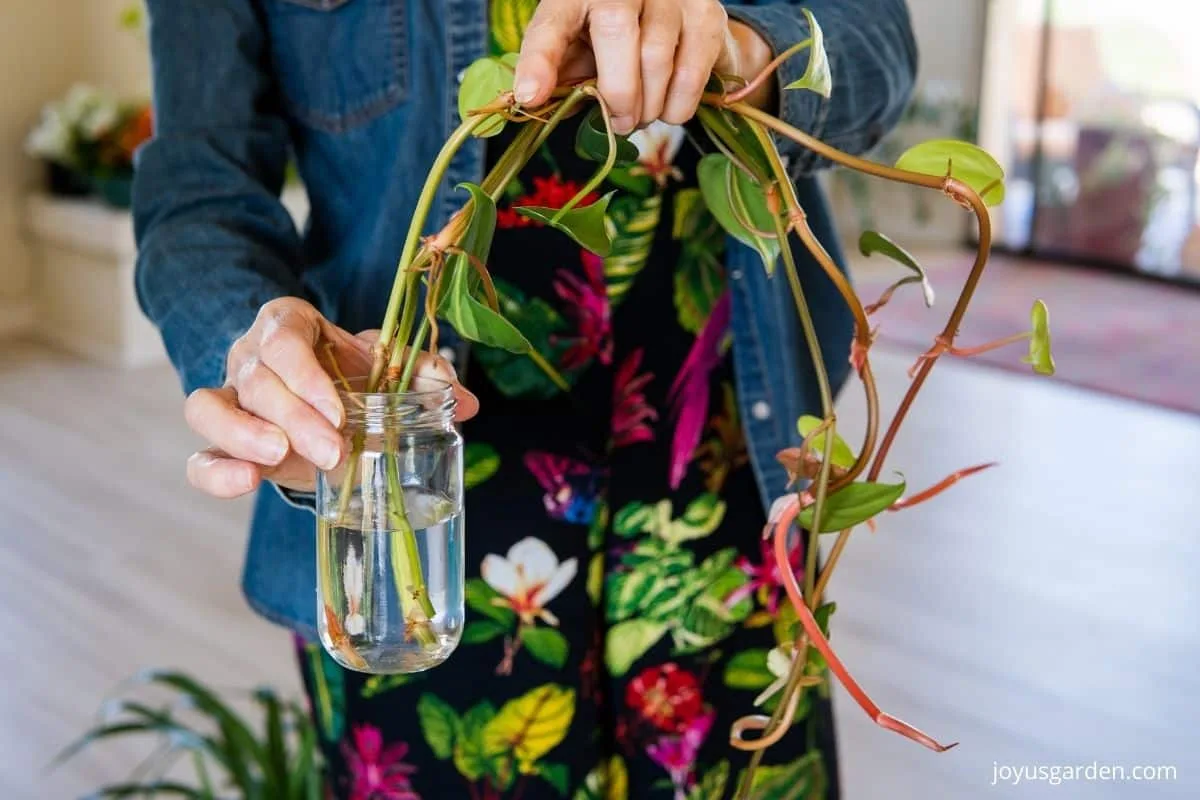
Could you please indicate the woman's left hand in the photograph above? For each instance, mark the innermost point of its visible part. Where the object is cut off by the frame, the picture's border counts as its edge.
(651, 58)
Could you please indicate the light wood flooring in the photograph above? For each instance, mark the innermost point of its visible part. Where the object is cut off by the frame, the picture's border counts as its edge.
(1043, 613)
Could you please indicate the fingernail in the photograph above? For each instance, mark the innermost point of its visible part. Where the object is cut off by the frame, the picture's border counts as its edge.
(330, 411)
(326, 454)
(525, 90)
(624, 125)
(275, 447)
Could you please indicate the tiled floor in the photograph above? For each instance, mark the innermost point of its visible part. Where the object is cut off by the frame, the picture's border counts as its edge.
(1043, 613)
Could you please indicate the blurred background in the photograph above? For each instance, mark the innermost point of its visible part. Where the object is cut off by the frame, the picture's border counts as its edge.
(1042, 613)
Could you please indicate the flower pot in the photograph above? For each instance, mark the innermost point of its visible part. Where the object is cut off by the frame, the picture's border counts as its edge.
(116, 190)
(390, 534)
(62, 181)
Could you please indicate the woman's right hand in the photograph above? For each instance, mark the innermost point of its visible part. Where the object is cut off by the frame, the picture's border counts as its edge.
(278, 415)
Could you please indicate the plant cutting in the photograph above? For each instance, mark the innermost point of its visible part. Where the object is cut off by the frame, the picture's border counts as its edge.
(746, 187)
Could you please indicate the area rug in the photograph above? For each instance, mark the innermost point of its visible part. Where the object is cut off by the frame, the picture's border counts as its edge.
(1116, 334)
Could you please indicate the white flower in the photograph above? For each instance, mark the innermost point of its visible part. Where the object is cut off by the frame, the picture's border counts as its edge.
(51, 139)
(779, 662)
(658, 141)
(100, 119)
(529, 578)
(79, 102)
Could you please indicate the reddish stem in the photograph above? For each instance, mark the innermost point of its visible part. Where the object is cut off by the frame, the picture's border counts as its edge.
(939, 487)
(747, 90)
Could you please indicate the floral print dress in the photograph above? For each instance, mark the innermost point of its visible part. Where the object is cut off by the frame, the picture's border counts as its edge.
(623, 608)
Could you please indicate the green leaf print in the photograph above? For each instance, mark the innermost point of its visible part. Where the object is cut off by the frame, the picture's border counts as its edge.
(707, 620)
(546, 645)
(515, 375)
(480, 597)
(508, 21)
(482, 630)
(599, 524)
(632, 519)
(481, 461)
(595, 578)
(634, 219)
(702, 516)
(628, 641)
(712, 785)
(378, 684)
(748, 670)
(439, 724)
(802, 779)
(608, 781)
(470, 758)
(530, 726)
(699, 273)
(557, 775)
(329, 692)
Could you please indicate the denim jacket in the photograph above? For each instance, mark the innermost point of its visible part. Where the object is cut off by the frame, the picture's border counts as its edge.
(362, 94)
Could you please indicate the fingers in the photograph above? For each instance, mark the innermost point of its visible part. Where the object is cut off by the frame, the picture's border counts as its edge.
(613, 29)
(262, 392)
(704, 32)
(286, 345)
(437, 368)
(215, 416)
(551, 30)
(662, 22)
(215, 473)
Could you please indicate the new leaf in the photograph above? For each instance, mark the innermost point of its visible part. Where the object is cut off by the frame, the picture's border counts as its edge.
(962, 161)
(818, 77)
(852, 505)
(1039, 341)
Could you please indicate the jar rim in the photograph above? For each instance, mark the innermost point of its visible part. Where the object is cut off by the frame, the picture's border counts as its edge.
(430, 388)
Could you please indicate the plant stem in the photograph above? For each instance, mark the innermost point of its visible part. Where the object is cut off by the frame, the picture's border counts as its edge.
(605, 168)
(748, 89)
(406, 561)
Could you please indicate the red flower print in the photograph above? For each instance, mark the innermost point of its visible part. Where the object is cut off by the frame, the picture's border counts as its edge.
(588, 304)
(765, 576)
(376, 772)
(548, 192)
(665, 696)
(631, 412)
(677, 753)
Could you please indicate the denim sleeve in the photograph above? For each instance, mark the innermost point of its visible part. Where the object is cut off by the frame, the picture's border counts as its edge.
(873, 58)
(214, 240)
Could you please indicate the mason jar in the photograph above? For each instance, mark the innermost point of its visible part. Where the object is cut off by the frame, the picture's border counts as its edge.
(390, 571)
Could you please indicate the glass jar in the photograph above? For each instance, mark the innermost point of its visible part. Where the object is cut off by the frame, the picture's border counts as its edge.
(390, 571)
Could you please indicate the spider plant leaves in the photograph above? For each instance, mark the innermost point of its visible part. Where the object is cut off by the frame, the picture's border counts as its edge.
(738, 204)
(457, 302)
(842, 455)
(1040, 356)
(872, 242)
(482, 84)
(852, 505)
(588, 226)
(591, 141)
(962, 161)
(817, 76)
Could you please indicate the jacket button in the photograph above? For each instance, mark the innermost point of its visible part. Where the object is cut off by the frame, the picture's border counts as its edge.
(761, 410)
(735, 274)
(447, 353)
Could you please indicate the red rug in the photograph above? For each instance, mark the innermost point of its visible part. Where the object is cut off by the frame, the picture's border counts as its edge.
(1115, 334)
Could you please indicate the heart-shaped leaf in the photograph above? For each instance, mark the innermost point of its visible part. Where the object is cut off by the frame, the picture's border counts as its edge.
(483, 82)
(851, 505)
(627, 641)
(748, 670)
(591, 141)
(546, 645)
(842, 455)
(439, 723)
(817, 77)
(874, 242)
(480, 462)
(531, 725)
(963, 161)
(1039, 341)
(737, 203)
(588, 226)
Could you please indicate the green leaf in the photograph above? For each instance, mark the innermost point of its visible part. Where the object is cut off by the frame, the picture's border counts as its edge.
(546, 645)
(842, 455)
(623, 178)
(439, 724)
(713, 598)
(817, 77)
(509, 19)
(802, 779)
(732, 133)
(632, 519)
(588, 226)
(148, 789)
(595, 578)
(480, 462)
(628, 641)
(702, 516)
(1039, 342)
(963, 161)
(816, 662)
(634, 221)
(378, 684)
(479, 598)
(483, 82)
(591, 141)
(530, 726)
(607, 781)
(517, 375)
(628, 590)
(712, 785)
(482, 630)
(853, 504)
(748, 670)
(699, 272)
(737, 201)
(874, 242)
(329, 692)
(557, 775)
(470, 758)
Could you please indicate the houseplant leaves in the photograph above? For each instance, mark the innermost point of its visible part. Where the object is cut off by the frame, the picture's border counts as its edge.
(483, 82)
(737, 203)
(872, 242)
(1039, 341)
(817, 77)
(963, 161)
(588, 226)
(851, 505)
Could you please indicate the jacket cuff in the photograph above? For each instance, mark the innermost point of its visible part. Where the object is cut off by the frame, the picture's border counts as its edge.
(781, 25)
(306, 501)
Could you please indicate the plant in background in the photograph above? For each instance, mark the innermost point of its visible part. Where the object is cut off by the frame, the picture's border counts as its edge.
(230, 757)
(746, 188)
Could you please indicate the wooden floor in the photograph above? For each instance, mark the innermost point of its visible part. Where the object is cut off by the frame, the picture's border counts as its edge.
(1042, 614)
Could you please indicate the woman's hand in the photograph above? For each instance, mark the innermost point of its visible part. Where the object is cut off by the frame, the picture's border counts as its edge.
(278, 415)
(652, 58)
